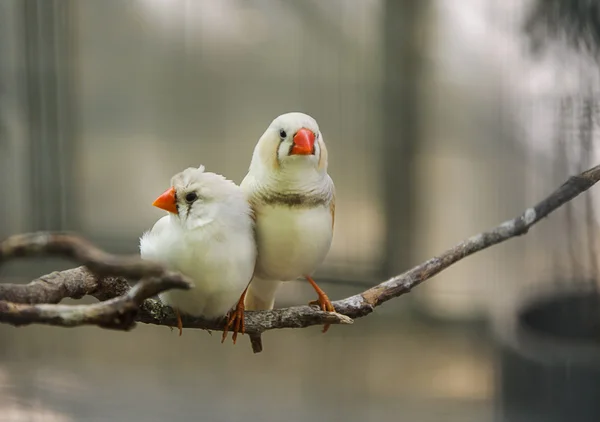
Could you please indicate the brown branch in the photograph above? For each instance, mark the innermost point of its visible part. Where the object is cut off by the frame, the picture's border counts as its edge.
(363, 304)
(119, 313)
(119, 299)
(35, 302)
(74, 283)
(78, 282)
(80, 250)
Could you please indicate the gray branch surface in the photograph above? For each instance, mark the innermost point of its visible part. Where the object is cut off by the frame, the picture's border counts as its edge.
(37, 302)
(106, 276)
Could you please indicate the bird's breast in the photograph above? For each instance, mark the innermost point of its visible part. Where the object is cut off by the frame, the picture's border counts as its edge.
(292, 241)
(220, 264)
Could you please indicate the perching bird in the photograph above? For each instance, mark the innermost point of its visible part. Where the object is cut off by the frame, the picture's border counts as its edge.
(208, 235)
(293, 199)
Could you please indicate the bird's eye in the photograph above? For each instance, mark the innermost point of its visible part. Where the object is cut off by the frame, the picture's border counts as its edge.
(282, 134)
(191, 197)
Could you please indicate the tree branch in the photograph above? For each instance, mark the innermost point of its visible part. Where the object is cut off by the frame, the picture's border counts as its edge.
(34, 302)
(119, 313)
(80, 250)
(104, 277)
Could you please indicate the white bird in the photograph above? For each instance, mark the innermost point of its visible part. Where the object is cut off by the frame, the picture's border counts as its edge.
(293, 199)
(208, 236)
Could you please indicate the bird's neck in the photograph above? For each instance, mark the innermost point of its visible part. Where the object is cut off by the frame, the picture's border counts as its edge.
(288, 181)
(210, 226)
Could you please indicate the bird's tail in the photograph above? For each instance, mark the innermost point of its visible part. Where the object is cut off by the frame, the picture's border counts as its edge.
(260, 297)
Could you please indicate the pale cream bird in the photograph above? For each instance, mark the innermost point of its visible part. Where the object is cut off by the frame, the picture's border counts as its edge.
(293, 199)
(208, 235)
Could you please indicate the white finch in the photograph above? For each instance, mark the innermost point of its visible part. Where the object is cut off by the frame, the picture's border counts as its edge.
(208, 236)
(293, 199)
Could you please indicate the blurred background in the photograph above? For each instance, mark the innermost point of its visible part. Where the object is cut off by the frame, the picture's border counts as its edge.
(442, 117)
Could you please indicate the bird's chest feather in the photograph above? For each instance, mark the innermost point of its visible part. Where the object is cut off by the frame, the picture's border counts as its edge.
(220, 269)
(292, 242)
(215, 265)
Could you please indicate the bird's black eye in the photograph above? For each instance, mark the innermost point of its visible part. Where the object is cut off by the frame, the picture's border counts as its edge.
(191, 197)
(282, 134)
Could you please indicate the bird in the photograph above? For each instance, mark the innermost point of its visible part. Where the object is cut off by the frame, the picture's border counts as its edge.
(207, 235)
(293, 199)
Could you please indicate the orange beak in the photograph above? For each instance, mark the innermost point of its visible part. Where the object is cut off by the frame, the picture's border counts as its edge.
(304, 142)
(167, 201)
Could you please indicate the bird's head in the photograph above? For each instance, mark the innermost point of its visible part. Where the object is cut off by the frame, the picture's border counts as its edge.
(197, 198)
(291, 143)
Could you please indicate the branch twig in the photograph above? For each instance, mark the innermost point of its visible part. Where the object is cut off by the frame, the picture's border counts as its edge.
(80, 250)
(35, 302)
(121, 305)
(119, 313)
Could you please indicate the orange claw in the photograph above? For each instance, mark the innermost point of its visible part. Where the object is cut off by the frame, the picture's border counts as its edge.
(323, 301)
(236, 319)
(179, 323)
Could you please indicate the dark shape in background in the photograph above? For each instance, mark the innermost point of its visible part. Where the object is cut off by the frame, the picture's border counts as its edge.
(577, 21)
(550, 362)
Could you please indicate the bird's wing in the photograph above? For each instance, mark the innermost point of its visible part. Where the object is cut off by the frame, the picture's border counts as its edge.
(261, 294)
(332, 211)
(160, 225)
(148, 244)
(247, 185)
(255, 300)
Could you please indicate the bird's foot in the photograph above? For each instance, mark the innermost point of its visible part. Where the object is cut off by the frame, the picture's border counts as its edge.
(322, 301)
(179, 323)
(235, 319)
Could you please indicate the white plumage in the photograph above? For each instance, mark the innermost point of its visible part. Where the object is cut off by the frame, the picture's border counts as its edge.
(293, 199)
(295, 241)
(208, 235)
